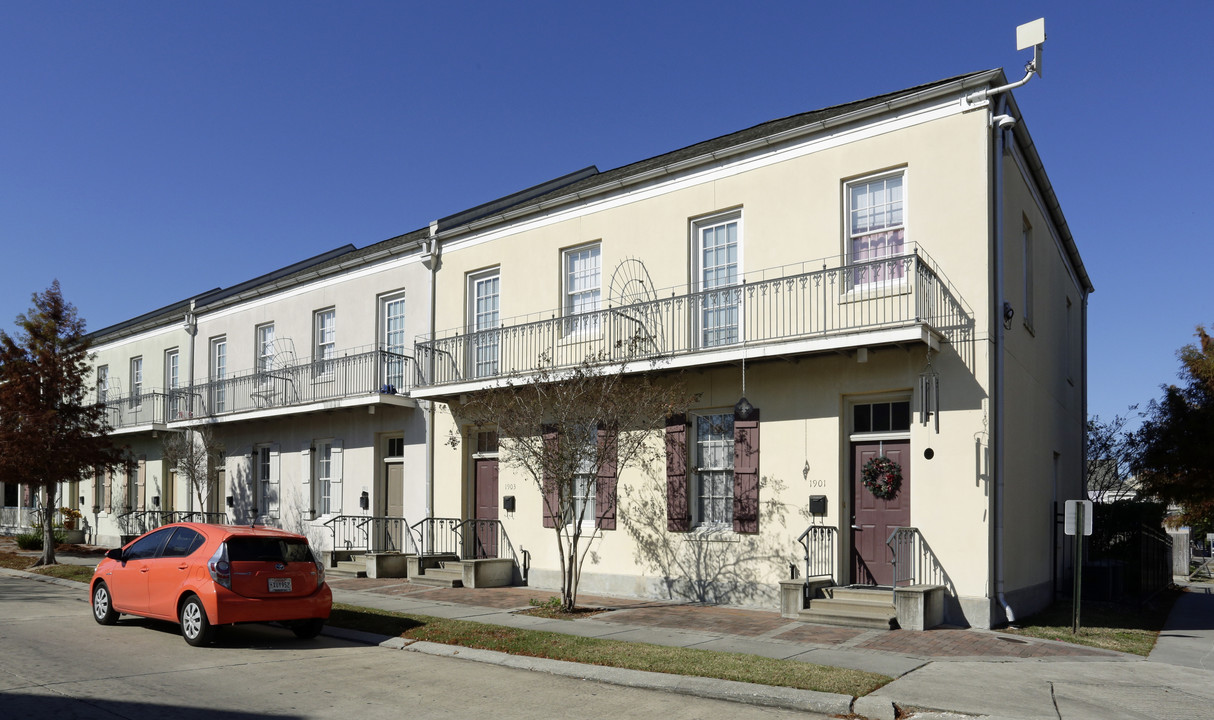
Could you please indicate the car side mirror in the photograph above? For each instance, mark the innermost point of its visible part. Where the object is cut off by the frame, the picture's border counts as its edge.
(115, 554)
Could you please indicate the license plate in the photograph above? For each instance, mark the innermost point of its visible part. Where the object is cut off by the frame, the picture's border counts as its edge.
(280, 584)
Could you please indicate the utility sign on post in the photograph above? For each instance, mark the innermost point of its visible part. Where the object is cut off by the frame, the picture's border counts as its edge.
(1077, 522)
(1072, 518)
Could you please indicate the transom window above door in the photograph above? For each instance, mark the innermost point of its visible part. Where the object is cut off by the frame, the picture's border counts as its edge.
(881, 417)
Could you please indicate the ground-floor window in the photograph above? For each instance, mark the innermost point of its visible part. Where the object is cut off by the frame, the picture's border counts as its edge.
(324, 477)
(261, 461)
(714, 465)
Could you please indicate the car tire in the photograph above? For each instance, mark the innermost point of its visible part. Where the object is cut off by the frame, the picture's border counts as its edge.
(103, 605)
(308, 629)
(195, 627)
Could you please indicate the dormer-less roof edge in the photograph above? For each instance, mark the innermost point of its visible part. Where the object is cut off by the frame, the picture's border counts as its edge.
(736, 143)
(135, 324)
(493, 206)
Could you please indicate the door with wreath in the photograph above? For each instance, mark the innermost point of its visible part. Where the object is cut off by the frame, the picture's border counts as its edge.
(874, 518)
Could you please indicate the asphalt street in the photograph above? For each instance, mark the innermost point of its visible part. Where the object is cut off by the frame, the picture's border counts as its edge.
(56, 662)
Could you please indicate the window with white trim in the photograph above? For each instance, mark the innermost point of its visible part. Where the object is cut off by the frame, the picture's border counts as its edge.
(881, 417)
(718, 268)
(392, 310)
(324, 477)
(136, 382)
(325, 341)
(484, 292)
(219, 371)
(876, 229)
(582, 281)
(265, 347)
(261, 468)
(581, 505)
(714, 461)
(103, 383)
(172, 381)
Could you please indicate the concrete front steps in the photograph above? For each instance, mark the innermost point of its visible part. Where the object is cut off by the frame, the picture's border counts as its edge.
(450, 571)
(910, 607)
(864, 607)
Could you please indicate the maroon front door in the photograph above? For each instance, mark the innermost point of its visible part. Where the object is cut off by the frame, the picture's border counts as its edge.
(486, 509)
(872, 519)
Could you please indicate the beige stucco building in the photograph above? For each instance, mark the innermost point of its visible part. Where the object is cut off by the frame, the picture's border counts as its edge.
(888, 278)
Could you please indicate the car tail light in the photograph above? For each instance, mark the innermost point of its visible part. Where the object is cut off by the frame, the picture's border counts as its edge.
(320, 569)
(221, 571)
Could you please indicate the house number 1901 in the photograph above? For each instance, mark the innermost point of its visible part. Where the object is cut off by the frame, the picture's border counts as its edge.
(817, 482)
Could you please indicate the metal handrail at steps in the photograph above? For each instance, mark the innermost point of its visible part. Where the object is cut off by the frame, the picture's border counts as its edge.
(818, 542)
(904, 547)
(488, 540)
(437, 536)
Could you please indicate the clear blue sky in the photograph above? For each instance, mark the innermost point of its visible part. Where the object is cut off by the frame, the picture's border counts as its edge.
(153, 150)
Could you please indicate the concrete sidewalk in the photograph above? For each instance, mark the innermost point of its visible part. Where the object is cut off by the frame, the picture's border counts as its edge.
(945, 672)
(942, 672)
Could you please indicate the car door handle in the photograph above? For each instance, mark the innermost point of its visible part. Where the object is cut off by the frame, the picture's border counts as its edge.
(143, 569)
(183, 567)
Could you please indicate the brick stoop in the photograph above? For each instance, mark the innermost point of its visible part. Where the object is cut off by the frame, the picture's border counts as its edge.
(852, 607)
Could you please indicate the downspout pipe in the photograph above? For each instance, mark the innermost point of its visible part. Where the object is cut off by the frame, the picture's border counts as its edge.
(999, 125)
(432, 260)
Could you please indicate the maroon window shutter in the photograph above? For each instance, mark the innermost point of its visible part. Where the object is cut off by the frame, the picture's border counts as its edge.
(678, 515)
(746, 473)
(552, 495)
(604, 486)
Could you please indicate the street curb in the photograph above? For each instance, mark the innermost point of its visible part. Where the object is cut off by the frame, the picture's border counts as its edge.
(733, 691)
(83, 587)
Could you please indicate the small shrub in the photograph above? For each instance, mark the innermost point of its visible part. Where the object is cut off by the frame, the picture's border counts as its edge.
(30, 541)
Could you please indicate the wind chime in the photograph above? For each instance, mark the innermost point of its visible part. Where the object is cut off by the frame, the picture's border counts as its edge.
(929, 394)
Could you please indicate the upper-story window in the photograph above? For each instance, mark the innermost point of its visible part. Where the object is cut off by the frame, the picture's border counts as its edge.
(583, 288)
(219, 371)
(103, 383)
(265, 347)
(876, 229)
(325, 333)
(172, 380)
(484, 292)
(392, 310)
(136, 381)
(718, 266)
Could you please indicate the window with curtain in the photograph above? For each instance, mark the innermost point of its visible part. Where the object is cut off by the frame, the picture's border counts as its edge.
(876, 230)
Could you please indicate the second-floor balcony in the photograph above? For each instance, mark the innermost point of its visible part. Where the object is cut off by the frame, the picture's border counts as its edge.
(815, 306)
(358, 376)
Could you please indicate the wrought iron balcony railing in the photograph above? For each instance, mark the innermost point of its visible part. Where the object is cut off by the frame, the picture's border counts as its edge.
(822, 298)
(357, 373)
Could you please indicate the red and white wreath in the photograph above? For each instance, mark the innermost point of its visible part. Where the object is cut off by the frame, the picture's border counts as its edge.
(882, 477)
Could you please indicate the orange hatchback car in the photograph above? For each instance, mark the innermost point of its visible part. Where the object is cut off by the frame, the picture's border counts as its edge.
(203, 576)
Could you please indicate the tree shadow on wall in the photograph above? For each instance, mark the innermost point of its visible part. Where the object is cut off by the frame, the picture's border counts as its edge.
(717, 567)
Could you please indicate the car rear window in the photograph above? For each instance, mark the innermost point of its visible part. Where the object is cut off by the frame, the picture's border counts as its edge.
(268, 549)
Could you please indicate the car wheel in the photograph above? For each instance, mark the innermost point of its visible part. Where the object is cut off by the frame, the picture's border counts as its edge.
(308, 629)
(103, 606)
(195, 627)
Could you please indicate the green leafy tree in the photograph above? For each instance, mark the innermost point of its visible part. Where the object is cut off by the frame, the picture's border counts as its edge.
(1175, 444)
(50, 433)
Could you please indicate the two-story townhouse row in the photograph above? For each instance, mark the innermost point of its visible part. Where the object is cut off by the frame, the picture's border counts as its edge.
(891, 279)
(300, 378)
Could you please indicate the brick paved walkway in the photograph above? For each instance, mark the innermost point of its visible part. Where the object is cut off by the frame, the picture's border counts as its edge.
(937, 643)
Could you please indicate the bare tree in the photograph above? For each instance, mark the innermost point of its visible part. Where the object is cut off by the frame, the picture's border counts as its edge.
(50, 432)
(573, 432)
(1110, 458)
(197, 454)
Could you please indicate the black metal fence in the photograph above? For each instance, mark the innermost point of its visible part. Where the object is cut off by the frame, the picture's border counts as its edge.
(814, 299)
(1123, 562)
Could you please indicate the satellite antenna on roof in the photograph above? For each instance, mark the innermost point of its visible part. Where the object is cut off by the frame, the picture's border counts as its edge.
(1028, 35)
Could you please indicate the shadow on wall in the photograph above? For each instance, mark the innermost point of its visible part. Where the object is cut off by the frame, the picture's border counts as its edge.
(244, 501)
(706, 566)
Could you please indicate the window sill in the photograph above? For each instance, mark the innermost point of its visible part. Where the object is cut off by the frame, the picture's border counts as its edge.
(713, 533)
(875, 291)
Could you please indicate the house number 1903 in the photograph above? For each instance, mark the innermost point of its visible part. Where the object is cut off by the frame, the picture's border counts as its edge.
(510, 486)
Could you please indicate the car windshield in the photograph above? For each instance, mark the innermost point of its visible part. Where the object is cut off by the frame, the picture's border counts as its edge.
(268, 549)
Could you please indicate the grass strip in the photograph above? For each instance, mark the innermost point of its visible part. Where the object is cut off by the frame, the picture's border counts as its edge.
(1102, 625)
(16, 561)
(610, 653)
